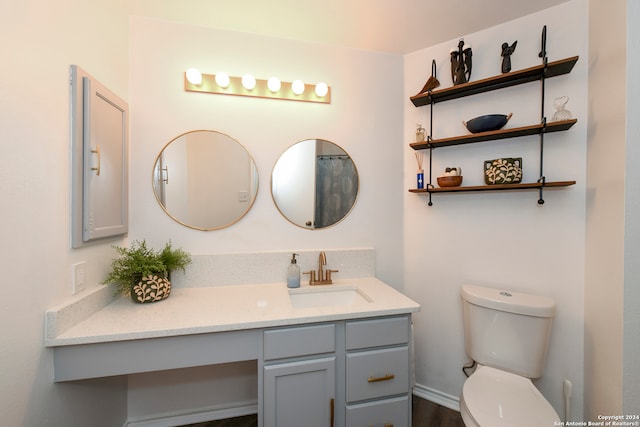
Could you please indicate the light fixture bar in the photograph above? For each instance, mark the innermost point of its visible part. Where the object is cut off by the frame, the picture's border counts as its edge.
(209, 85)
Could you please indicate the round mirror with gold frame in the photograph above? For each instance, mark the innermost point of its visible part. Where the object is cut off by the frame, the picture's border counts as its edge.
(205, 180)
(314, 184)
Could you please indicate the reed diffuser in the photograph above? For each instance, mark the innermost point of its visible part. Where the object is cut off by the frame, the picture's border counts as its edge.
(420, 174)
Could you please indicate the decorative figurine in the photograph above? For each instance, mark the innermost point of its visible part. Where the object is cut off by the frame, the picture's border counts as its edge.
(461, 63)
(561, 113)
(506, 55)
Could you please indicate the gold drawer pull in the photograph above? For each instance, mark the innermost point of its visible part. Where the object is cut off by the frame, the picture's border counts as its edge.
(383, 378)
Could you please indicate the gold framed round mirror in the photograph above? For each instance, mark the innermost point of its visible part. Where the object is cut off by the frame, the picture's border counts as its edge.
(205, 180)
(314, 184)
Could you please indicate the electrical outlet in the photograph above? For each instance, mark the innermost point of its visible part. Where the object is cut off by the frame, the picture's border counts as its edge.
(78, 276)
(243, 196)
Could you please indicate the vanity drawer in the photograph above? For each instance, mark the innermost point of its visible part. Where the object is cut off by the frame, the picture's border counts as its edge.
(377, 332)
(381, 413)
(377, 373)
(300, 341)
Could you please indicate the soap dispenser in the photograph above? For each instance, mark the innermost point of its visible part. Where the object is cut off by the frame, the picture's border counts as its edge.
(293, 273)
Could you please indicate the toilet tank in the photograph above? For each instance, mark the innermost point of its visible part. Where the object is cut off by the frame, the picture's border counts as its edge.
(507, 330)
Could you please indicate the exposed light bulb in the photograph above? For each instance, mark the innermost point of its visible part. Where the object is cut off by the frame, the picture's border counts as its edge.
(248, 81)
(248, 85)
(194, 76)
(274, 84)
(222, 79)
(297, 87)
(322, 89)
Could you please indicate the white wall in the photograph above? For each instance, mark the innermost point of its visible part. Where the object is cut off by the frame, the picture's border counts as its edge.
(364, 117)
(612, 303)
(192, 391)
(502, 239)
(604, 285)
(40, 40)
(631, 360)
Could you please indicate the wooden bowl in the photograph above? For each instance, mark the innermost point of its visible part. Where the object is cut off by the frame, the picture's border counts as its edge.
(449, 181)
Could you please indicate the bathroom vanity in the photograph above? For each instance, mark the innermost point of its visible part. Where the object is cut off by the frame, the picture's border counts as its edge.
(336, 355)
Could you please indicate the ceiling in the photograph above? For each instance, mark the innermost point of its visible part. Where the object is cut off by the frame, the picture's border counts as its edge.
(395, 26)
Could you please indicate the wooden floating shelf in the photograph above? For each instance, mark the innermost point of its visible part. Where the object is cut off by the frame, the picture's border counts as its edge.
(494, 135)
(513, 78)
(498, 187)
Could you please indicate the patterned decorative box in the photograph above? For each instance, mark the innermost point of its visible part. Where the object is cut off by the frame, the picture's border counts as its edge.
(503, 171)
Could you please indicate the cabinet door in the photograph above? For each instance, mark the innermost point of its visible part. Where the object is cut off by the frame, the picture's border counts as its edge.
(99, 160)
(300, 393)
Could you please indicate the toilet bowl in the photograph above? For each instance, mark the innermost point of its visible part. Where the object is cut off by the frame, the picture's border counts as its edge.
(506, 334)
(495, 398)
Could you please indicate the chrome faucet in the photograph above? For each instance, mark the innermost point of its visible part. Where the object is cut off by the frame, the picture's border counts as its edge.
(324, 275)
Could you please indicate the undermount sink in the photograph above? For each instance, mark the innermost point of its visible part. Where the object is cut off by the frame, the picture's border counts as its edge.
(327, 296)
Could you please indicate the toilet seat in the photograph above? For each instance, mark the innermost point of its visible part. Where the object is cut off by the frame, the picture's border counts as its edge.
(495, 398)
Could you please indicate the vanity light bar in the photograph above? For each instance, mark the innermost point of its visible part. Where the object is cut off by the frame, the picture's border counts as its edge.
(311, 93)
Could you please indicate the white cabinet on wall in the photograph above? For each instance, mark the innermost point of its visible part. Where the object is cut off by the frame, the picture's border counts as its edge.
(99, 145)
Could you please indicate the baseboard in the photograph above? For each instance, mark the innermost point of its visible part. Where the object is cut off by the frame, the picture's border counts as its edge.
(179, 418)
(435, 396)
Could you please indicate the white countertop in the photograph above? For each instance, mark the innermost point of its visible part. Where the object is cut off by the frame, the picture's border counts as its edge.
(223, 308)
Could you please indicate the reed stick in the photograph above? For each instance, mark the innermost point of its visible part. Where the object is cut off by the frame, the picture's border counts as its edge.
(419, 159)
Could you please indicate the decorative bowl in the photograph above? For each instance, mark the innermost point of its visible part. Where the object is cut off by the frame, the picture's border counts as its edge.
(487, 122)
(503, 171)
(450, 181)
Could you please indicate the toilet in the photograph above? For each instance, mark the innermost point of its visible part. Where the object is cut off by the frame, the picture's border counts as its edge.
(506, 334)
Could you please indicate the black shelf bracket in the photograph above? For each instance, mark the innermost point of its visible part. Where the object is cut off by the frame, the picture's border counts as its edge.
(430, 136)
(543, 118)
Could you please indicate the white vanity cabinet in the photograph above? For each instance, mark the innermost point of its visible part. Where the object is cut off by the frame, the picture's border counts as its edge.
(340, 366)
(377, 372)
(299, 376)
(348, 373)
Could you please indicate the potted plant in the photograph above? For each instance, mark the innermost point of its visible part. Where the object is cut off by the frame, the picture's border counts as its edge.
(144, 273)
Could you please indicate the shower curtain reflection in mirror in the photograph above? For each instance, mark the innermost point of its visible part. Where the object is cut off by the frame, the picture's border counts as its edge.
(314, 184)
(336, 189)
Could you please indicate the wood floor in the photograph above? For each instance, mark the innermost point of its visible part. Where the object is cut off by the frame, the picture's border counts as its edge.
(425, 414)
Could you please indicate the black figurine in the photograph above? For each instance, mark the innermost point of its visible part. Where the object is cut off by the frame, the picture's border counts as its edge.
(461, 63)
(506, 55)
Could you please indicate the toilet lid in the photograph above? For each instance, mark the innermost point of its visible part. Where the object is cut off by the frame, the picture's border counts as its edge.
(500, 399)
